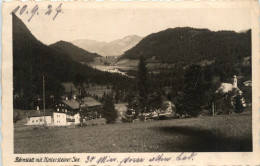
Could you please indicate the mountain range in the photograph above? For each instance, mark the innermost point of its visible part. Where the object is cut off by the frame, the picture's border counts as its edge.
(113, 48)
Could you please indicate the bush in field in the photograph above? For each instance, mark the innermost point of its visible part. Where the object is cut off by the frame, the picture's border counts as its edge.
(238, 104)
(109, 111)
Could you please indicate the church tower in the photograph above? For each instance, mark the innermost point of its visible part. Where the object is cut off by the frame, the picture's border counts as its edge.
(235, 82)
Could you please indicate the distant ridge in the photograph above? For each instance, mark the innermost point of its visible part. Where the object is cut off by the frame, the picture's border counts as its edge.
(192, 45)
(76, 53)
(113, 48)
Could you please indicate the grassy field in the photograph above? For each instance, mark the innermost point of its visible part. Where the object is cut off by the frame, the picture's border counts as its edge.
(204, 134)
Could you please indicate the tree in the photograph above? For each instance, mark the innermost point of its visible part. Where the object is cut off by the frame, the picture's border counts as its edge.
(238, 104)
(109, 111)
(190, 101)
(142, 84)
(247, 93)
(156, 101)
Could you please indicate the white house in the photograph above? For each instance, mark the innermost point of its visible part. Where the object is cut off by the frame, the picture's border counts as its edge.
(59, 119)
(66, 112)
(37, 118)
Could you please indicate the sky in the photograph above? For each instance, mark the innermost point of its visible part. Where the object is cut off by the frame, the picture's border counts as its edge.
(111, 24)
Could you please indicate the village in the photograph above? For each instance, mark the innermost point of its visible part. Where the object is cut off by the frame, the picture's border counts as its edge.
(77, 112)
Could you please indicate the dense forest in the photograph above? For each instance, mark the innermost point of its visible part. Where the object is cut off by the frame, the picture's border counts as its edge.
(185, 45)
(76, 53)
(32, 59)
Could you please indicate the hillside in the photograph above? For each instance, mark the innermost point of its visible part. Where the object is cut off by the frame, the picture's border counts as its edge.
(192, 45)
(76, 53)
(113, 48)
(32, 59)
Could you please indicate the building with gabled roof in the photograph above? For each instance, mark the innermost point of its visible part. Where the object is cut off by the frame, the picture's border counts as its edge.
(90, 102)
(67, 112)
(91, 108)
(37, 117)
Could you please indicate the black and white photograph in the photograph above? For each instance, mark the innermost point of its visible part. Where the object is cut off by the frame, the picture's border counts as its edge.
(152, 84)
(130, 80)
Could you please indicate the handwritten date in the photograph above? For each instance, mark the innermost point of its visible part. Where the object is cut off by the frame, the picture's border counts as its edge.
(35, 10)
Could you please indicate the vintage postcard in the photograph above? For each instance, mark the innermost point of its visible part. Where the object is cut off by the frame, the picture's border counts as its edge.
(130, 83)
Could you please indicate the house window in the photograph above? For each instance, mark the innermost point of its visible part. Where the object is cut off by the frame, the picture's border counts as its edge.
(40, 120)
(36, 121)
(32, 121)
(58, 109)
(66, 110)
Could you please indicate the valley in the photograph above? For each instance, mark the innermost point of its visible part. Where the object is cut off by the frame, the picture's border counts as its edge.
(180, 81)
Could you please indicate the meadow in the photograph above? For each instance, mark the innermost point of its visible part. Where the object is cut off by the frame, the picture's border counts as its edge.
(223, 133)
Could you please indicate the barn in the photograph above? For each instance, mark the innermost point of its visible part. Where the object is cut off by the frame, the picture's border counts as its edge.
(91, 108)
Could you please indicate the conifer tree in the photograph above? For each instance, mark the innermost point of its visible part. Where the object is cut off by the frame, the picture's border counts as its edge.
(190, 101)
(238, 104)
(109, 111)
(142, 84)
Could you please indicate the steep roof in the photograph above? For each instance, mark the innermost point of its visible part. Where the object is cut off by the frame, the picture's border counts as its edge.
(74, 104)
(90, 102)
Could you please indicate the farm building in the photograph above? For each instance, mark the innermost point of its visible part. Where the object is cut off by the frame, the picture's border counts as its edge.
(91, 108)
(37, 118)
(66, 112)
